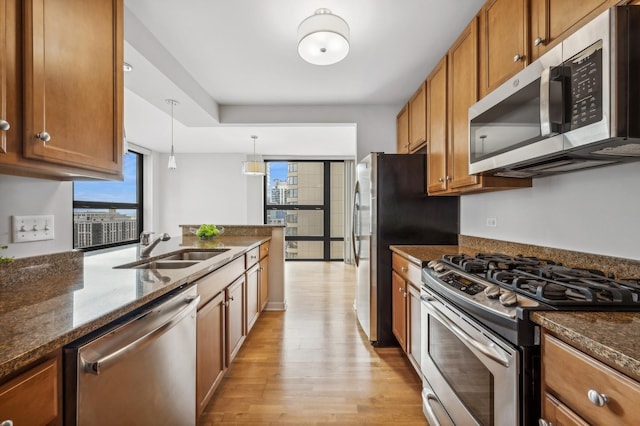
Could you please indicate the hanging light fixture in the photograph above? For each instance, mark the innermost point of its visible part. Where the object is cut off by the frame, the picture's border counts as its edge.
(323, 38)
(253, 167)
(172, 157)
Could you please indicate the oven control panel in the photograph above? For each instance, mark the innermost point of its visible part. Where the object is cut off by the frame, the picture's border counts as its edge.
(463, 284)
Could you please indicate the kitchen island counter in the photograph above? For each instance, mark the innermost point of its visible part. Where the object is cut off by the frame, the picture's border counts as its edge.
(49, 301)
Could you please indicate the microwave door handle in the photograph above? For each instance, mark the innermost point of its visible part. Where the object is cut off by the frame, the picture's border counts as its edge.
(486, 350)
(545, 103)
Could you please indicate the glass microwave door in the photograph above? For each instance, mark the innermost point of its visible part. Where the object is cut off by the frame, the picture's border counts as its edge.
(512, 123)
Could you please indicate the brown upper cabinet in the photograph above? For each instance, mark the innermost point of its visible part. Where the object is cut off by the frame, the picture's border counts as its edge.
(418, 119)
(503, 30)
(452, 89)
(553, 20)
(62, 61)
(402, 131)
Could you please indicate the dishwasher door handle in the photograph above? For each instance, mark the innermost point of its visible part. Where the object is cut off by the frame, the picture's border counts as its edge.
(96, 367)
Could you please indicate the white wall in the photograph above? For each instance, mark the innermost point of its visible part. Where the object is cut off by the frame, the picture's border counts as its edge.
(205, 188)
(27, 196)
(376, 125)
(594, 211)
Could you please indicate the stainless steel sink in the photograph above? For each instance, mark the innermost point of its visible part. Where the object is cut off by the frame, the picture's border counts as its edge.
(161, 264)
(176, 260)
(194, 254)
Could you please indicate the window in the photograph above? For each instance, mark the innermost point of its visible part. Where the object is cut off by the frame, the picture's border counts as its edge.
(107, 213)
(308, 198)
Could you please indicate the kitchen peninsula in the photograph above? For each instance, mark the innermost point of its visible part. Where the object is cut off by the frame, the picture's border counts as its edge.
(48, 301)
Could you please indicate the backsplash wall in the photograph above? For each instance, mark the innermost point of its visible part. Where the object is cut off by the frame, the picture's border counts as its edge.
(27, 196)
(593, 211)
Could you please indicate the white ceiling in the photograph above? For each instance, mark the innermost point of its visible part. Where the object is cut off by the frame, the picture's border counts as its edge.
(211, 53)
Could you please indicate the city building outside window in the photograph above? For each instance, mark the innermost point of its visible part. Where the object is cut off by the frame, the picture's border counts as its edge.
(109, 213)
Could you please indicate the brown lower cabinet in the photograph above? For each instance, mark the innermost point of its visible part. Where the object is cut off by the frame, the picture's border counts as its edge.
(33, 397)
(231, 299)
(580, 390)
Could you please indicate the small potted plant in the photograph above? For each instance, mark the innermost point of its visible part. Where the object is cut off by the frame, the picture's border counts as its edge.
(3, 259)
(207, 232)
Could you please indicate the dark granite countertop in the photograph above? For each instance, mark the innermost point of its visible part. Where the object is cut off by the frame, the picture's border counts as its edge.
(420, 254)
(611, 337)
(58, 298)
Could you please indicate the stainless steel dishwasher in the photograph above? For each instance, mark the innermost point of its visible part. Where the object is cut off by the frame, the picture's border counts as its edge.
(139, 371)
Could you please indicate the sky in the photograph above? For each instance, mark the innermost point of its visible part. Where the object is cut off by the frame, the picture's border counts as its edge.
(124, 192)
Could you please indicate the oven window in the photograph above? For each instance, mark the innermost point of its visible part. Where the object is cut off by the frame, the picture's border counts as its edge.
(466, 375)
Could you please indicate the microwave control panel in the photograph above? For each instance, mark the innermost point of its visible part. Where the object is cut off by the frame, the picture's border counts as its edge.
(585, 87)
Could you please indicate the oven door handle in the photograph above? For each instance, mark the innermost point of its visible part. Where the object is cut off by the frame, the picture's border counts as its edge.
(483, 348)
(431, 415)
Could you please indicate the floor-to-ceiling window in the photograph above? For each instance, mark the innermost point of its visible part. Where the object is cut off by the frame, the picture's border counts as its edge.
(308, 198)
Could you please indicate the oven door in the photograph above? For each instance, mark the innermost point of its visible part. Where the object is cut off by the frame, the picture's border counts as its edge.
(469, 372)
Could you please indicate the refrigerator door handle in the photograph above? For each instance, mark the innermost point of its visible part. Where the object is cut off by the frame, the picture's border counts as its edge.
(355, 224)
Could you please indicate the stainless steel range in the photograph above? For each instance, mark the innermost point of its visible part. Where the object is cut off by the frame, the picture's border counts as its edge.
(480, 350)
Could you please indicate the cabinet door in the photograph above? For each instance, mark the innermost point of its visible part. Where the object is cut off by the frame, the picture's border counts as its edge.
(413, 327)
(402, 130)
(73, 83)
(8, 82)
(502, 41)
(32, 397)
(437, 177)
(210, 353)
(235, 324)
(399, 307)
(418, 119)
(264, 282)
(253, 296)
(557, 414)
(552, 20)
(463, 92)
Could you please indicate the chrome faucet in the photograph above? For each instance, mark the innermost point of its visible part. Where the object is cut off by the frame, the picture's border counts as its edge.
(148, 247)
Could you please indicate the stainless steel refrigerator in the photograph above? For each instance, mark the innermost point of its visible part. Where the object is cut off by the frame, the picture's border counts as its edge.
(391, 207)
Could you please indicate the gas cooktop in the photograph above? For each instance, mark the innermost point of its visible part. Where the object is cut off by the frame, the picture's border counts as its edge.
(506, 277)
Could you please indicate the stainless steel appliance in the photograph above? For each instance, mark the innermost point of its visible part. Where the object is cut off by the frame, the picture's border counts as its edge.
(139, 371)
(480, 353)
(573, 108)
(391, 207)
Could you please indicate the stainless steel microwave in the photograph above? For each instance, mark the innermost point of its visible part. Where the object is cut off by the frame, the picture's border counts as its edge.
(577, 106)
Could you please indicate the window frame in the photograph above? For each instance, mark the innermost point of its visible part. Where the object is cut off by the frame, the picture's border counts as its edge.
(138, 206)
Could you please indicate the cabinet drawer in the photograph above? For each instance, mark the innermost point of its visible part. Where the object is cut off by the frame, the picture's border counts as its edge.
(32, 397)
(264, 249)
(252, 257)
(216, 281)
(408, 270)
(570, 374)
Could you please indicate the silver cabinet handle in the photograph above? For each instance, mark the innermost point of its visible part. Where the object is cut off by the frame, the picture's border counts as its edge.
(597, 398)
(96, 367)
(448, 178)
(6, 422)
(517, 57)
(543, 422)
(405, 294)
(231, 298)
(4, 126)
(538, 41)
(404, 269)
(440, 180)
(44, 136)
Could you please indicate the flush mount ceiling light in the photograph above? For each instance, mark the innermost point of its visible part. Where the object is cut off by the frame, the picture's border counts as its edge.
(253, 167)
(323, 38)
(172, 157)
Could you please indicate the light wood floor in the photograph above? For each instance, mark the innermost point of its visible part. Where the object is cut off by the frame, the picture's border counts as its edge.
(312, 365)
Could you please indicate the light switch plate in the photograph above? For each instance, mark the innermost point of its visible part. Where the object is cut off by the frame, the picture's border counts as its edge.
(33, 228)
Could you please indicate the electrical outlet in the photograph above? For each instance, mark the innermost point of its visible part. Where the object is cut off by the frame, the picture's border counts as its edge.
(492, 222)
(32, 228)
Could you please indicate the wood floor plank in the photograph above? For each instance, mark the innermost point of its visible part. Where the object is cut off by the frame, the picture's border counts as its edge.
(313, 365)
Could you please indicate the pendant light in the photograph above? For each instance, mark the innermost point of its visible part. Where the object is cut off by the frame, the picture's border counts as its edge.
(323, 38)
(172, 157)
(253, 167)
